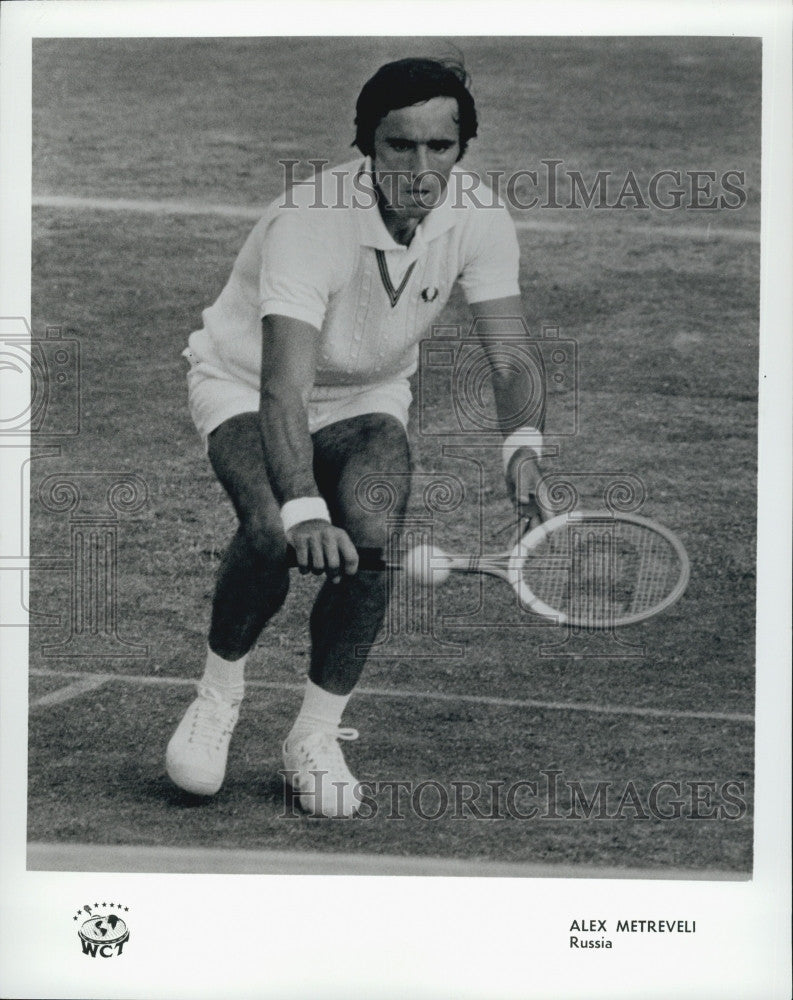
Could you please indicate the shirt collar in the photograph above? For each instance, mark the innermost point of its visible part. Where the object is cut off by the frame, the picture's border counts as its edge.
(372, 230)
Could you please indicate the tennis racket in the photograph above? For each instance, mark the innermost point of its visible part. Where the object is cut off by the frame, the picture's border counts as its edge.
(591, 569)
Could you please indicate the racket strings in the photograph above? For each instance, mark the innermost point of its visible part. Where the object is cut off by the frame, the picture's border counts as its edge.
(602, 574)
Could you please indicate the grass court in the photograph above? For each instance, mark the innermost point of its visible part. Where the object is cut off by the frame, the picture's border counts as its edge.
(663, 307)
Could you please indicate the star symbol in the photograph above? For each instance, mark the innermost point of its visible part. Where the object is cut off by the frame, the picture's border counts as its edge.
(104, 904)
(126, 909)
(96, 904)
(75, 918)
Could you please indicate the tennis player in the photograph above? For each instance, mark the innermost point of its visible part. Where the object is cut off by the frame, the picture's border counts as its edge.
(298, 383)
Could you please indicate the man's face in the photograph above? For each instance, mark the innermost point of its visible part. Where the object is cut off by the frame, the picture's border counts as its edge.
(415, 149)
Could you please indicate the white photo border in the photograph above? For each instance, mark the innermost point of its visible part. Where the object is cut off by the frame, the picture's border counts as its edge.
(398, 936)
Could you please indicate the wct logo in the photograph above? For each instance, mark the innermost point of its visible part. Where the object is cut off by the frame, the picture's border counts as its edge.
(103, 933)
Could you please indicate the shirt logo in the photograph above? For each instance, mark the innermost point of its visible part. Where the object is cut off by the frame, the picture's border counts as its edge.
(429, 294)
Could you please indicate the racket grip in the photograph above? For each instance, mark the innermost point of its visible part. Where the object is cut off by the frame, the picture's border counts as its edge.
(368, 558)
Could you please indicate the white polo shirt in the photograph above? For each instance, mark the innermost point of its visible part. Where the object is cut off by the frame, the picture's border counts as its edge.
(331, 262)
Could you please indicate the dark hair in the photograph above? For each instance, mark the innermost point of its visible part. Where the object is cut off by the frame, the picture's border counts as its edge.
(412, 81)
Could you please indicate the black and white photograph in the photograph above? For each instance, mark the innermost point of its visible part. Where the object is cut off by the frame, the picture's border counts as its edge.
(383, 450)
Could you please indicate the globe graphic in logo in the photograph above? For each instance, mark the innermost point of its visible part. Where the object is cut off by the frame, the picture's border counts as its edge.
(105, 930)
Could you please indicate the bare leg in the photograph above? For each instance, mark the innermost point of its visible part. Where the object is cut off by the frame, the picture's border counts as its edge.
(253, 579)
(350, 613)
(251, 586)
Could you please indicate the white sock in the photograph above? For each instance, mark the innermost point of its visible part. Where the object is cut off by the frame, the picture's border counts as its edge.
(226, 677)
(320, 710)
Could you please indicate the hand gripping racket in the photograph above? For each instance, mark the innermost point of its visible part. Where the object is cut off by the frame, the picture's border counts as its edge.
(592, 569)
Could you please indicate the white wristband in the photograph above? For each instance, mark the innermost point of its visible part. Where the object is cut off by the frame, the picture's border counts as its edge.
(304, 509)
(523, 437)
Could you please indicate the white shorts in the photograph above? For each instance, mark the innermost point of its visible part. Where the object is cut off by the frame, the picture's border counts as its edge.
(214, 396)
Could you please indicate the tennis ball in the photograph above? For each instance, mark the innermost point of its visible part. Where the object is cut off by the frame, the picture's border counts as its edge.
(424, 564)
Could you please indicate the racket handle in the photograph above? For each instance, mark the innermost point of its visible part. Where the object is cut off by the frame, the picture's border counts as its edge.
(369, 558)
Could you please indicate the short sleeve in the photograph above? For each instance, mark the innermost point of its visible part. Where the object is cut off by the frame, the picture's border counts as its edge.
(296, 275)
(492, 256)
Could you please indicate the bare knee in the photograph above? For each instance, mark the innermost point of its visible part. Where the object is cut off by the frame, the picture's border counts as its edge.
(370, 528)
(373, 491)
(235, 451)
(265, 537)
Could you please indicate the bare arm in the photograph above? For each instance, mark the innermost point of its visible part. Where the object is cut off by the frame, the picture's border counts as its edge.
(516, 387)
(289, 360)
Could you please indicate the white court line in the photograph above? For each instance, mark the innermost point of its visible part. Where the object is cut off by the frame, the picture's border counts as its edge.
(89, 682)
(232, 861)
(522, 703)
(149, 206)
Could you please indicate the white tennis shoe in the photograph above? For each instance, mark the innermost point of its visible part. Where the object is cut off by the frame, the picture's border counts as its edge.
(197, 752)
(315, 767)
